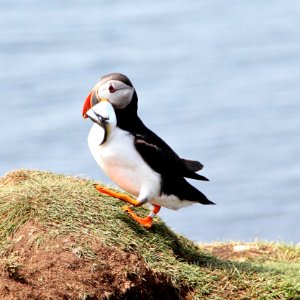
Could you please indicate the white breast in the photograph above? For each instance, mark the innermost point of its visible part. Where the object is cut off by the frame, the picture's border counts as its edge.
(122, 163)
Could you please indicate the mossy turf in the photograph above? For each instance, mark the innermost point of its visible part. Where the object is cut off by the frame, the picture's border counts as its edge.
(71, 206)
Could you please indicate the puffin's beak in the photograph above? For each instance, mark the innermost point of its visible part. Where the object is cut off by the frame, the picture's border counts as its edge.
(87, 104)
(90, 101)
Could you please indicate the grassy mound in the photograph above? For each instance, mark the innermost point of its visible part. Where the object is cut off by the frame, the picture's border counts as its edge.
(61, 239)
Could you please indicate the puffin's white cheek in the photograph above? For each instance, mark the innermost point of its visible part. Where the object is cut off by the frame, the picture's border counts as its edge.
(103, 93)
(121, 98)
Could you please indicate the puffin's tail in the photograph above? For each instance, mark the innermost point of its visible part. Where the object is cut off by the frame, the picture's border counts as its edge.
(185, 191)
(196, 176)
(197, 196)
(192, 165)
(190, 169)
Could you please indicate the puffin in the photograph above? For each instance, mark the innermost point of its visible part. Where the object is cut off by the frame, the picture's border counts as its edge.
(133, 156)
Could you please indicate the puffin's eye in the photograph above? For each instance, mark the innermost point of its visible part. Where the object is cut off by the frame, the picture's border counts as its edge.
(111, 89)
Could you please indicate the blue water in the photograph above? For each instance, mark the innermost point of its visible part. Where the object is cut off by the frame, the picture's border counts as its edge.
(218, 80)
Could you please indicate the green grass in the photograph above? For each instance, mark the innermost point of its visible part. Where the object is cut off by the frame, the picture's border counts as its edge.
(70, 206)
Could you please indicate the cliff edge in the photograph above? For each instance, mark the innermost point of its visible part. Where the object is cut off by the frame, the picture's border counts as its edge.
(61, 239)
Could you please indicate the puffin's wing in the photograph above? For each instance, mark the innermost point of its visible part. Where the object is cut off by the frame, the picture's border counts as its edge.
(162, 159)
(192, 165)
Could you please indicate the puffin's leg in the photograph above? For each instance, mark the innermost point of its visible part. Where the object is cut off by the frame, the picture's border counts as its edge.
(145, 222)
(120, 196)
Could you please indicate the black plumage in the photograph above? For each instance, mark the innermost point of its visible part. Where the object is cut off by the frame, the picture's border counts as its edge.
(160, 156)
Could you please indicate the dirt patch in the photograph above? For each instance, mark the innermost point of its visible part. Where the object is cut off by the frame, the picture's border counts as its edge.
(239, 252)
(64, 270)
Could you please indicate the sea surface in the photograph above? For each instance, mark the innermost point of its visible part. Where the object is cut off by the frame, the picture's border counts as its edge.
(219, 81)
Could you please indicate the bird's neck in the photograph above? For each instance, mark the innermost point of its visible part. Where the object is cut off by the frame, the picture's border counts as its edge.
(131, 123)
(127, 118)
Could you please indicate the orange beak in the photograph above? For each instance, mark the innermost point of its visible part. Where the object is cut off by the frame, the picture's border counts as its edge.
(87, 104)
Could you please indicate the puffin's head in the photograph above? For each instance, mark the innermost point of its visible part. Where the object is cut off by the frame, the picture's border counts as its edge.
(117, 89)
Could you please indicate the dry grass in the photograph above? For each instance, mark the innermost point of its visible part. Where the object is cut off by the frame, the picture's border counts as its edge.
(71, 207)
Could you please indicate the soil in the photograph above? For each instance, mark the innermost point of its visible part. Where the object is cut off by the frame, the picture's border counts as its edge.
(62, 271)
(238, 252)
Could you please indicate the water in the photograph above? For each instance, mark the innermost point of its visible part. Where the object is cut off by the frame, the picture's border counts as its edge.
(218, 81)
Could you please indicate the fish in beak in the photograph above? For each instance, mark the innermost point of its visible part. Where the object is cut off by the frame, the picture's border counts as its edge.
(103, 114)
(97, 117)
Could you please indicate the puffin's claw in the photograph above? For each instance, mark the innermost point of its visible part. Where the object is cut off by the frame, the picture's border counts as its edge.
(126, 208)
(145, 222)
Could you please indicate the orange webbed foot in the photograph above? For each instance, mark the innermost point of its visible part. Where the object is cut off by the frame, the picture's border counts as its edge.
(145, 222)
